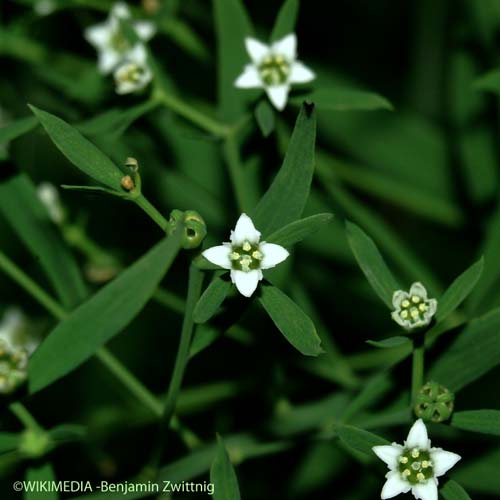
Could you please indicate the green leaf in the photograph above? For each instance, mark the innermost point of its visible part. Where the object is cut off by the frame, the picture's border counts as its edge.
(232, 26)
(360, 440)
(103, 316)
(290, 320)
(9, 441)
(453, 491)
(223, 476)
(17, 128)
(41, 474)
(300, 229)
(264, 114)
(484, 421)
(333, 99)
(286, 198)
(28, 218)
(285, 20)
(93, 189)
(481, 474)
(490, 81)
(459, 290)
(114, 122)
(390, 342)
(372, 263)
(211, 299)
(204, 336)
(79, 151)
(474, 352)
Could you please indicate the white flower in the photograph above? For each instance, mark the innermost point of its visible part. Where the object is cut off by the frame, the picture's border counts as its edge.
(413, 309)
(414, 465)
(44, 7)
(110, 41)
(134, 73)
(15, 331)
(246, 256)
(49, 196)
(274, 67)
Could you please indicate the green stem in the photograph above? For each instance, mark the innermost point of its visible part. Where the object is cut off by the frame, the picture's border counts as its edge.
(151, 211)
(181, 360)
(417, 372)
(236, 174)
(25, 417)
(193, 115)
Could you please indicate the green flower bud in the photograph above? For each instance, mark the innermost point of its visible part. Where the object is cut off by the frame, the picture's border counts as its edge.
(34, 444)
(434, 403)
(195, 228)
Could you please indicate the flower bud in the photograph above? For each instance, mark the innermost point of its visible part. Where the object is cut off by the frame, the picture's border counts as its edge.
(127, 183)
(34, 444)
(434, 403)
(195, 228)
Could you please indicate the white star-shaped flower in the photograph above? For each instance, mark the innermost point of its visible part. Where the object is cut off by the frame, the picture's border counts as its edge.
(246, 256)
(274, 68)
(110, 41)
(133, 73)
(413, 309)
(414, 466)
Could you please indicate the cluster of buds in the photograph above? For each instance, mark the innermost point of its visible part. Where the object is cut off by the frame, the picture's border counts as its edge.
(117, 54)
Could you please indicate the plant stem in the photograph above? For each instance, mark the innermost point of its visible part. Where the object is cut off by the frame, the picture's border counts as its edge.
(193, 115)
(417, 372)
(142, 202)
(181, 360)
(25, 417)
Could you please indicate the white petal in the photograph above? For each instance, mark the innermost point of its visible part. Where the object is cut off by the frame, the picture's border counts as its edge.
(219, 255)
(286, 47)
(108, 60)
(443, 460)
(137, 54)
(397, 297)
(389, 454)
(394, 485)
(256, 50)
(98, 35)
(278, 95)
(249, 79)
(418, 289)
(301, 73)
(417, 437)
(272, 254)
(426, 491)
(120, 10)
(432, 308)
(244, 231)
(246, 283)
(145, 30)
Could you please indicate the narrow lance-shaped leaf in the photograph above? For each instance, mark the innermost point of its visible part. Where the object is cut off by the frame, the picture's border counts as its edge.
(103, 316)
(299, 230)
(484, 421)
(80, 151)
(458, 291)
(360, 440)
(391, 342)
(285, 20)
(372, 263)
(28, 218)
(232, 26)
(290, 320)
(8, 441)
(474, 352)
(211, 299)
(264, 114)
(17, 128)
(286, 198)
(453, 491)
(223, 476)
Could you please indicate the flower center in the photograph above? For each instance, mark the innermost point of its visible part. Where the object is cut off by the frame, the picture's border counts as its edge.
(118, 42)
(274, 69)
(415, 466)
(246, 257)
(414, 309)
(131, 73)
(13, 364)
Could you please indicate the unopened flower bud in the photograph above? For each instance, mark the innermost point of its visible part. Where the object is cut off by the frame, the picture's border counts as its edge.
(127, 183)
(434, 403)
(132, 163)
(34, 444)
